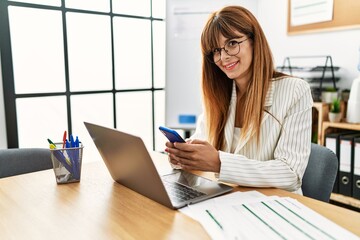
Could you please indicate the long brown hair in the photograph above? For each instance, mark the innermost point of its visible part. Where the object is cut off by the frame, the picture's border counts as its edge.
(217, 87)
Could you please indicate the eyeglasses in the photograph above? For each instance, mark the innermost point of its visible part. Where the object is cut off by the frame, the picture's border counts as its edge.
(231, 48)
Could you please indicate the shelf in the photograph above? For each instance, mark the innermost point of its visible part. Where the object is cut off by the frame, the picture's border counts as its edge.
(326, 125)
(350, 201)
(322, 115)
(340, 125)
(306, 69)
(316, 73)
(343, 125)
(322, 125)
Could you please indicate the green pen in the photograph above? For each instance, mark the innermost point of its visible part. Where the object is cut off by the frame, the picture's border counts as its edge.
(51, 143)
(53, 146)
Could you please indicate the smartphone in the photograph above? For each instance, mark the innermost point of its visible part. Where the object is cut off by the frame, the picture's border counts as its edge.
(171, 134)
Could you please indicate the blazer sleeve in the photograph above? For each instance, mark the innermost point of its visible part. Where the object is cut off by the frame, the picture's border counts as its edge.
(291, 153)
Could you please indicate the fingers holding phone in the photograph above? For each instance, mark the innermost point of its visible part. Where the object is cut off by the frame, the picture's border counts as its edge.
(172, 136)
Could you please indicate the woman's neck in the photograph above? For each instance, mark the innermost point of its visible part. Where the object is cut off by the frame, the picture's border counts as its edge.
(241, 86)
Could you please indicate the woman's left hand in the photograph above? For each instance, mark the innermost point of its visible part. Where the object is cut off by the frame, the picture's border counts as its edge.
(194, 155)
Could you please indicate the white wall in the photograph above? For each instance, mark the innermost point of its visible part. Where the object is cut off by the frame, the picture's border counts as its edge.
(342, 45)
(185, 20)
(3, 141)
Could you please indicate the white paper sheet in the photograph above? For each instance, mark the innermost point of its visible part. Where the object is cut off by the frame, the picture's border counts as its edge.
(251, 215)
(311, 11)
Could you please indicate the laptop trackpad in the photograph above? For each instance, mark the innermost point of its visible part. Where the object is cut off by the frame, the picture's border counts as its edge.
(201, 184)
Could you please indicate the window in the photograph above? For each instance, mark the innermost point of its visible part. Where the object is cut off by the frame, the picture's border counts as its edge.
(96, 61)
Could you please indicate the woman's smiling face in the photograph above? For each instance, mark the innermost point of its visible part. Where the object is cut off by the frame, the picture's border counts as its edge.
(236, 67)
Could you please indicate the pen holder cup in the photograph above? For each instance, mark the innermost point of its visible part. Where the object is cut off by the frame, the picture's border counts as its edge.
(67, 163)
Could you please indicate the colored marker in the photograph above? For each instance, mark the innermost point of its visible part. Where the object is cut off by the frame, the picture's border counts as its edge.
(64, 139)
(51, 143)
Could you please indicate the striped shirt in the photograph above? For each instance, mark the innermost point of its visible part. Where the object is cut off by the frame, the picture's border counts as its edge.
(281, 157)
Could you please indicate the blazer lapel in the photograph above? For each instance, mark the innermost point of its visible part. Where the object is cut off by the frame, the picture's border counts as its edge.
(268, 100)
(230, 123)
(243, 141)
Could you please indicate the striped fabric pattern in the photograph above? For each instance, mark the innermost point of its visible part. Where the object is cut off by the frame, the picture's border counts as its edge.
(281, 157)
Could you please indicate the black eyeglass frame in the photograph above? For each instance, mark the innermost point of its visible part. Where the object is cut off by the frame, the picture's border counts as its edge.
(210, 56)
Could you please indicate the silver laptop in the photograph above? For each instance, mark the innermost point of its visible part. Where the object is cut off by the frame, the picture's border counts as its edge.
(130, 164)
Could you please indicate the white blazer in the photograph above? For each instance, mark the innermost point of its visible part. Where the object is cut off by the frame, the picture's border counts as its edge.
(281, 157)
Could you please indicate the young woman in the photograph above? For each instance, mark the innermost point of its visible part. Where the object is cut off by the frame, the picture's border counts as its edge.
(256, 126)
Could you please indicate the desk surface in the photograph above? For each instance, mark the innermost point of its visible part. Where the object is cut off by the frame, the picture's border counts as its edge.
(33, 206)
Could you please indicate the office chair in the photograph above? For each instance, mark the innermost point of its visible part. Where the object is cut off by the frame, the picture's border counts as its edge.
(320, 174)
(23, 160)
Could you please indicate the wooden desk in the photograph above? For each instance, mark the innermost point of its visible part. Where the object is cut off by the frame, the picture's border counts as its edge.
(33, 206)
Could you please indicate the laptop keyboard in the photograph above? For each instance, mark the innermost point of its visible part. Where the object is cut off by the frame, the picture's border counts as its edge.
(180, 193)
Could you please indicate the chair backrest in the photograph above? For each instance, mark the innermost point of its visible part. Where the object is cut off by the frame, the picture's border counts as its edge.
(17, 161)
(320, 174)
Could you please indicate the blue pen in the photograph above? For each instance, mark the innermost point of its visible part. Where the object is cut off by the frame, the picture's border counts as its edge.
(71, 156)
(59, 156)
(77, 142)
(76, 155)
(67, 145)
(72, 143)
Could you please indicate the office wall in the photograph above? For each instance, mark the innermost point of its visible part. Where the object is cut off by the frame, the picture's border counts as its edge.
(185, 21)
(342, 45)
(3, 141)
